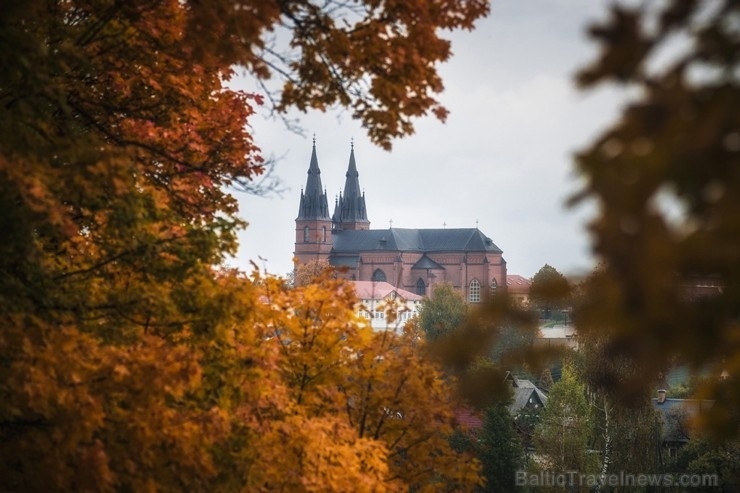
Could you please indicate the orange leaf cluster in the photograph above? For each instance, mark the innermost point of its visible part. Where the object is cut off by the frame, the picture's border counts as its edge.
(128, 361)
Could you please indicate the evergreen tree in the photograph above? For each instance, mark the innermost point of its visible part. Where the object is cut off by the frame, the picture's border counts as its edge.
(496, 445)
(499, 450)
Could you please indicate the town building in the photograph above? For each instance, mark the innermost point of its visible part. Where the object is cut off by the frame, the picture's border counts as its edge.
(384, 306)
(414, 260)
(677, 420)
(518, 288)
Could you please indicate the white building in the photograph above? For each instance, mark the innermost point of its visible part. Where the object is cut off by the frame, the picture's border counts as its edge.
(385, 306)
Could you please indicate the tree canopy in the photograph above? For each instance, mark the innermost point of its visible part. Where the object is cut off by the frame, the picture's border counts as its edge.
(130, 359)
(549, 290)
(442, 312)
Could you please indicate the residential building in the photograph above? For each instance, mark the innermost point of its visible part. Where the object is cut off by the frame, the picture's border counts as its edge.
(385, 306)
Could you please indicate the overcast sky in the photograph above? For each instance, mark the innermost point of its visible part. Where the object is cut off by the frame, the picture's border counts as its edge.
(503, 158)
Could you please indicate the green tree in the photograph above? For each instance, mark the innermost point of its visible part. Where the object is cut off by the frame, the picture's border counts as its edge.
(549, 291)
(496, 445)
(624, 438)
(703, 457)
(442, 312)
(627, 438)
(665, 180)
(499, 449)
(563, 435)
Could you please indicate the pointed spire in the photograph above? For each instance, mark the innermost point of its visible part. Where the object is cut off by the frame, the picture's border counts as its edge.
(350, 212)
(352, 169)
(313, 202)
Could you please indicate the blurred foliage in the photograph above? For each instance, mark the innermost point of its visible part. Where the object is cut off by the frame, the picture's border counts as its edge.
(494, 338)
(665, 179)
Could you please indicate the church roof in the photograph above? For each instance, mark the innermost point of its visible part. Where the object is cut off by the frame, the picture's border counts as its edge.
(426, 263)
(415, 240)
(351, 261)
(313, 199)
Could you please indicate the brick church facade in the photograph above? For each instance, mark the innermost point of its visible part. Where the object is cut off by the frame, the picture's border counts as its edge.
(411, 259)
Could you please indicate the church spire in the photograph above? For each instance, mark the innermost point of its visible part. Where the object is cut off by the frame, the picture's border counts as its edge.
(313, 201)
(350, 211)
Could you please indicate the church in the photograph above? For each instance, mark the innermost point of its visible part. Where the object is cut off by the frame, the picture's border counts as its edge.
(414, 260)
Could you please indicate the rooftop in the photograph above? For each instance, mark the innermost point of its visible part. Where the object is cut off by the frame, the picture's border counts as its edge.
(419, 240)
(376, 290)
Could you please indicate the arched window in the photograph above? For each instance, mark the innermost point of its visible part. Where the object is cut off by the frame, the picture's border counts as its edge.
(306, 235)
(474, 291)
(494, 286)
(379, 275)
(421, 288)
(323, 231)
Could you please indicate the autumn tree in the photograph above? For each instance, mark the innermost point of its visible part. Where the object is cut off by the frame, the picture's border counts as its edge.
(665, 180)
(129, 361)
(377, 384)
(308, 272)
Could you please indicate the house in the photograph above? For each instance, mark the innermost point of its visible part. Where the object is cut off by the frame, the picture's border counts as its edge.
(518, 288)
(677, 418)
(556, 336)
(414, 260)
(379, 299)
(526, 395)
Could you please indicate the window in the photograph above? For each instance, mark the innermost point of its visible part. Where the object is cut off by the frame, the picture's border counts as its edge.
(474, 291)
(494, 286)
(305, 234)
(378, 276)
(421, 288)
(323, 231)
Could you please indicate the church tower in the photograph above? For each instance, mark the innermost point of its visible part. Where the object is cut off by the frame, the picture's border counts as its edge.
(313, 224)
(349, 210)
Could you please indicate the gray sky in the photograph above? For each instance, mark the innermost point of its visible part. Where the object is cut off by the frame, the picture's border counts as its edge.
(503, 158)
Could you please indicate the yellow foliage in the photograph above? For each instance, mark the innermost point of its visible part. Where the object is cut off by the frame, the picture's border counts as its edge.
(128, 362)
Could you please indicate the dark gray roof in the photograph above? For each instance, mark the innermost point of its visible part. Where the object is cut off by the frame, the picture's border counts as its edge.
(414, 240)
(350, 261)
(522, 399)
(677, 413)
(525, 394)
(426, 263)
